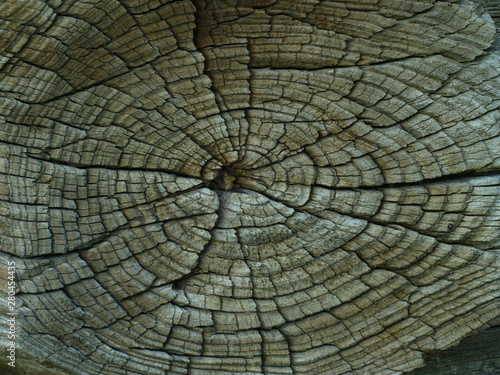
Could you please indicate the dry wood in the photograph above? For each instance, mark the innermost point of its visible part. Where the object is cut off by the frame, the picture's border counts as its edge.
(248, 186)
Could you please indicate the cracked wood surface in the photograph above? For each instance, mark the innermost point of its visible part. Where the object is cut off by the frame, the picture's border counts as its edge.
(248, 187)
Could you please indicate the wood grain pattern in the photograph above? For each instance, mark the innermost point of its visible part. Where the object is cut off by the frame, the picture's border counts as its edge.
(248, 186)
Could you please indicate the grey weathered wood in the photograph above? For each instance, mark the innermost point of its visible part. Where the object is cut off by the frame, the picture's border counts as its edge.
(259, 187)
(476, 355)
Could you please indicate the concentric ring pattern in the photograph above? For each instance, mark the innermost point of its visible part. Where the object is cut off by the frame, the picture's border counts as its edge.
(248, 186)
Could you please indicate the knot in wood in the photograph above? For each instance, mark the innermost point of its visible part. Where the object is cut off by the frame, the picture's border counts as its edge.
(226, 179)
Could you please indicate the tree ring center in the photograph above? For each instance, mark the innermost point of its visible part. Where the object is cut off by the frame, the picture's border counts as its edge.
(226, 179)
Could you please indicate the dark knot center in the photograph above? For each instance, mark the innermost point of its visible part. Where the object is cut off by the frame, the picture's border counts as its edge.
(226, 179)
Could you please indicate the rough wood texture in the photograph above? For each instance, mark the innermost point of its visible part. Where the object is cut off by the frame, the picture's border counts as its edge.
(248, 187)
(476, 355)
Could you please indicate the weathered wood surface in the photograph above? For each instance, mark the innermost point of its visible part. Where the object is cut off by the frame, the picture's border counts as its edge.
(476, 355)
(248, 187)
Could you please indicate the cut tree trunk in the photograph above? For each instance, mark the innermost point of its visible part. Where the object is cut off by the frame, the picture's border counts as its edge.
(247, 186)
